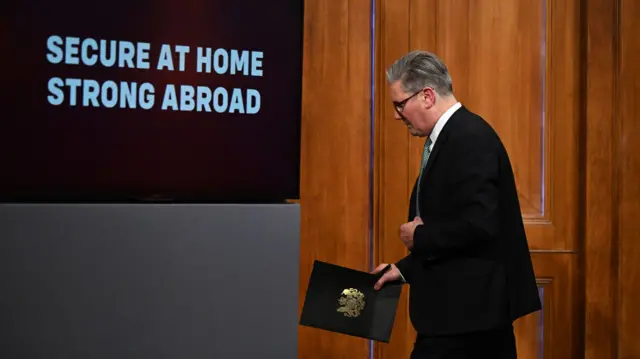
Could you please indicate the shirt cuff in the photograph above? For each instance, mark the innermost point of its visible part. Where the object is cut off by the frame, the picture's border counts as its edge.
(402, 277)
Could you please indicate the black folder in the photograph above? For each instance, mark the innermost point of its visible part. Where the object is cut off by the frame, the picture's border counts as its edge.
(343, 300)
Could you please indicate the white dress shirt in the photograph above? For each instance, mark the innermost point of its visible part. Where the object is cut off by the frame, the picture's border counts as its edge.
(441, 122)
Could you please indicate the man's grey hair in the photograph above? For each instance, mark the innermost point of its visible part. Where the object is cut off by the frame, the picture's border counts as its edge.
(419, 69)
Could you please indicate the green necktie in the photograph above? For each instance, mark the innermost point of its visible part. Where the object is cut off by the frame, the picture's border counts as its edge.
(425, 157)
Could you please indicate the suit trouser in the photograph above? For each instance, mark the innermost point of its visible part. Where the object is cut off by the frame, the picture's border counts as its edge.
(493, 344)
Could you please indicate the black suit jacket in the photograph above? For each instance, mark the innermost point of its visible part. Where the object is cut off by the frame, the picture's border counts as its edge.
(470, 267)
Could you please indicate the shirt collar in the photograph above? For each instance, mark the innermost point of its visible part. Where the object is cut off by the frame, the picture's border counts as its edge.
(441, 122)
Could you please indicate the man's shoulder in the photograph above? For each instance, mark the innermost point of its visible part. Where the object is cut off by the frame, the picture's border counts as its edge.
(470, 127)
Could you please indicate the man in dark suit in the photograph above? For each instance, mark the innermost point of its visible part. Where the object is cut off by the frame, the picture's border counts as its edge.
(469, 268)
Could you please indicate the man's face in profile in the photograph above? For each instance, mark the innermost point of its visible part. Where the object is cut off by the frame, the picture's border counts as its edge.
(411, 109)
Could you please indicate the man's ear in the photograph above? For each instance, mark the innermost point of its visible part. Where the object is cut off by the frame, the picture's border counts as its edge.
(429, 97)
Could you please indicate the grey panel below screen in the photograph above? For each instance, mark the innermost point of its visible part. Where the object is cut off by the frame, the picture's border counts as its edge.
(149, 281)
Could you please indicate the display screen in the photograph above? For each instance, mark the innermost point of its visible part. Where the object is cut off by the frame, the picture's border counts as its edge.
(140, 100)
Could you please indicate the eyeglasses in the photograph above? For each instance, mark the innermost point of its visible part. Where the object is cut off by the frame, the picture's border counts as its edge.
(399, 105)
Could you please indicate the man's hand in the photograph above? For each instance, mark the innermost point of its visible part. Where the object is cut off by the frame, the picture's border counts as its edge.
(407, 230)
(391, 275)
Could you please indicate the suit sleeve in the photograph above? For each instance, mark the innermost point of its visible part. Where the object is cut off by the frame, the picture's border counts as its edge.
(473, 218)
(404, 266)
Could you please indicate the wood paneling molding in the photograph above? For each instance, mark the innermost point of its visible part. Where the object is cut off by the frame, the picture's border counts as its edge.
(600, 204)
(612, 180)
(628, 176)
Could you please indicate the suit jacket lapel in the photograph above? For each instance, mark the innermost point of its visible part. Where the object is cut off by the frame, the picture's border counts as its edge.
(434, 154)
(440, 142)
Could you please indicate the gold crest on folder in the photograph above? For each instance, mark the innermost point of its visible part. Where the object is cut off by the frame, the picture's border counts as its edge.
(351, 302)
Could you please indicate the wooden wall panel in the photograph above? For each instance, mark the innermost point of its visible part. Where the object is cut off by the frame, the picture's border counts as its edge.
(335, 160)
(559, 80)
(499, 47)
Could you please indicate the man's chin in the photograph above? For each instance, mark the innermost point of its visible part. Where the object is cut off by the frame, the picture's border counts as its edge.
(415, 133)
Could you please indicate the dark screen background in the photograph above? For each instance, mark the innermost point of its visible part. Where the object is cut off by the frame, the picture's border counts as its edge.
(61, 153)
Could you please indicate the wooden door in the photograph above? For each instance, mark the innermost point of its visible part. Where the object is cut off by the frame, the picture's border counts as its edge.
(517, 64)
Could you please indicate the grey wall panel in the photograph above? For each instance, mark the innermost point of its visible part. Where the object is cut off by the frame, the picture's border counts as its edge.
(149, 281)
